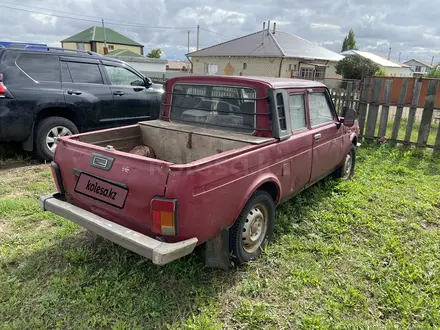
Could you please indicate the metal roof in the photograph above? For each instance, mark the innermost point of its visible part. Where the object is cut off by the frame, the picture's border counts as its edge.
(96, 33)
(273, 82)
(428, 65)
(375, 58)
(269, 44)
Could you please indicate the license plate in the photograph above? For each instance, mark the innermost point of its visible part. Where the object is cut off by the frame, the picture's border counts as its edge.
(101, 190)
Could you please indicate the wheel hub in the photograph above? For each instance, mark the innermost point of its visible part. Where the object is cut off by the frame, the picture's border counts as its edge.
(254, 229)
(347, 166)
(53, 135)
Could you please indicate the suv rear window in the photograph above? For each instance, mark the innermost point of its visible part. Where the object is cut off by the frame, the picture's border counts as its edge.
(223, 106)
(40, 67)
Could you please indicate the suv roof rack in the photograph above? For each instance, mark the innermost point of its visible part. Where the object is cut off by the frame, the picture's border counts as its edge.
(48, 48)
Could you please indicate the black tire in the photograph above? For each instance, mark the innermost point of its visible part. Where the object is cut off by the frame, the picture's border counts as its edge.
(341, 172)
(238, 244)
(43, 128)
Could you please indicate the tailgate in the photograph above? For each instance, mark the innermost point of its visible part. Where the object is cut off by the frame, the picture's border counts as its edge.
(115, 185)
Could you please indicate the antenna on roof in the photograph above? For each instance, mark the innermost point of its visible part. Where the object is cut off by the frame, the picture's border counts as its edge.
(264, 28)
(268, 27)
(274, 27)
(389, 53)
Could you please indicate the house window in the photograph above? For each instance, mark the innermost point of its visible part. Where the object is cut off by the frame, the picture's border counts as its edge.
(294, 68)
(111, 47)
(320, 73)
(290, 67)
(418, 69)
(80, 46)
(244, 66)
(211, 68)
(307, 72)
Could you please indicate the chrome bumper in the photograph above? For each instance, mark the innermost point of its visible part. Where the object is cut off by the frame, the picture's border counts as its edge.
(160, 253)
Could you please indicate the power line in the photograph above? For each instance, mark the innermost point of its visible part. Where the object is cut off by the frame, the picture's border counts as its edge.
(98, 20)
(221, 35)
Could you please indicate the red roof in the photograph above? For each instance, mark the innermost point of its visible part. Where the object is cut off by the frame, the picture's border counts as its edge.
(270, 82)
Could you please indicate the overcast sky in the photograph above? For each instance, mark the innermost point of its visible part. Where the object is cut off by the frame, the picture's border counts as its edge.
(412, 28)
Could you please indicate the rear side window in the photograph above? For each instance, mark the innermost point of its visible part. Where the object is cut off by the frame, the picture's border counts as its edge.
(40, 67)
(297, 111)
(86, 73)
(65, 73)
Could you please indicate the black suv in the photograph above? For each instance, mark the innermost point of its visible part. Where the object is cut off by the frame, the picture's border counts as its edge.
(46, 93)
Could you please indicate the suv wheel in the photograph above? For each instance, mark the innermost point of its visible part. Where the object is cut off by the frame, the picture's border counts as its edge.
(253, 228)
(48, 130)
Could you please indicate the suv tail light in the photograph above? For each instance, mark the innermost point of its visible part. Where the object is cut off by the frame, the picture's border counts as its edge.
(164, 216)
(2, 86)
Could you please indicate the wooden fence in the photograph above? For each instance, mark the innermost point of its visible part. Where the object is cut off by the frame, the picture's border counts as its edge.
(402, 110)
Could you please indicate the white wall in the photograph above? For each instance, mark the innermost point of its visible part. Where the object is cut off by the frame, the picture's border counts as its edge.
(148, 67)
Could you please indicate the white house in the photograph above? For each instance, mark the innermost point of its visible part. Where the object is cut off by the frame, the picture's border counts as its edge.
(391, 68)
(418, 67)
(268, 53)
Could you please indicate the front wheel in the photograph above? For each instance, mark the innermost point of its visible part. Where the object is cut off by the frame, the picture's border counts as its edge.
(346, 170)
(47, 132)
(253, 228)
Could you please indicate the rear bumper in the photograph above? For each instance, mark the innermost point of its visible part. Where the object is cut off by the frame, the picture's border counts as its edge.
(160, 253)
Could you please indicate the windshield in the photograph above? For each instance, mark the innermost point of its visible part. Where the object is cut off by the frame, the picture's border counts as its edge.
(222, 106)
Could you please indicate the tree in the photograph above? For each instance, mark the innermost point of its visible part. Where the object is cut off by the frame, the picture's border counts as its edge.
(356, 67)
(434, 72)
(349, 41)
(155, 53)
(381, 72)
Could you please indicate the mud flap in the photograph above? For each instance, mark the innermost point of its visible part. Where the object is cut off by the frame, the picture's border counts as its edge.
(217, 251)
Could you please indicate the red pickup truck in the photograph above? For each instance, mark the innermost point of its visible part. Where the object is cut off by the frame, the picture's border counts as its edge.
(224, 153)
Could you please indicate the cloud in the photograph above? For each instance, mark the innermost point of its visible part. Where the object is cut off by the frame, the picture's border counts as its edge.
(410, 29)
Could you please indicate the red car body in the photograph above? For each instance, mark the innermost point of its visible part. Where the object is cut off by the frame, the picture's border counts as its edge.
(208, 194)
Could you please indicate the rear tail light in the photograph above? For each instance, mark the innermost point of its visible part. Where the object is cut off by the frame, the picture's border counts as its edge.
(164, 216)
(2, 86)
(56, 173)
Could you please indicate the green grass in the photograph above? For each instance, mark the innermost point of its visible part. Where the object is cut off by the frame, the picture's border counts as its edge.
(414, 133)
(346, 255)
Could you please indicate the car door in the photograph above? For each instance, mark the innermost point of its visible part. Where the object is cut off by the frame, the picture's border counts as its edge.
(326, 133)
(84, 89)
(133, 99)
(297, 148)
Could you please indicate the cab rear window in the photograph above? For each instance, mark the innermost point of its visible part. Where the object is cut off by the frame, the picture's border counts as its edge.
(214, 106)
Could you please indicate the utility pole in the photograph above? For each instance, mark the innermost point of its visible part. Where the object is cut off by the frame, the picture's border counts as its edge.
(198, 36)
(188, 39)
(105, 36)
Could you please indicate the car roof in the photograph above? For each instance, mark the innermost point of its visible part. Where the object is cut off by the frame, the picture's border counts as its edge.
(269, 81)
(66, 52)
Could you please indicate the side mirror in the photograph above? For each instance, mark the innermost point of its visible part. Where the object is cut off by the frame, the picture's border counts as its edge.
(349, 117)
(148, 82)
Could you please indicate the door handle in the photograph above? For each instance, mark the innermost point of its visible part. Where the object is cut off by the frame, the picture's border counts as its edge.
(118, 93)
(317, 136)
(73, 92)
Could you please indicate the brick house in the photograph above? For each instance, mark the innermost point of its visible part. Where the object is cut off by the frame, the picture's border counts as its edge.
(268, 53)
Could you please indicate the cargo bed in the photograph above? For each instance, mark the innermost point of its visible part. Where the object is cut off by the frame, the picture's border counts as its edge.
(172, 142)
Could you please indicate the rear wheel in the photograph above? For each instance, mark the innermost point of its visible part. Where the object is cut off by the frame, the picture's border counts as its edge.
(47, 132)
(253, 228)
(346, 170)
